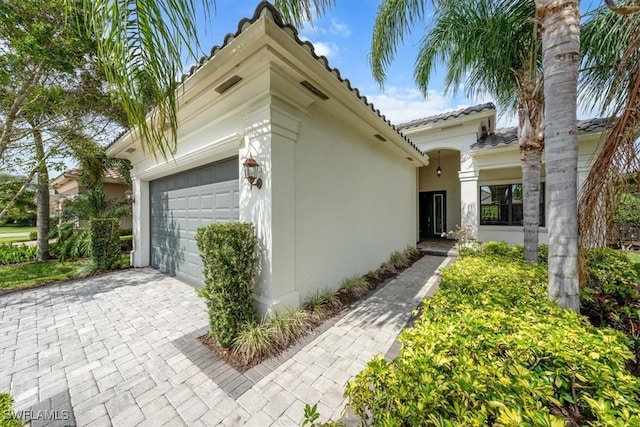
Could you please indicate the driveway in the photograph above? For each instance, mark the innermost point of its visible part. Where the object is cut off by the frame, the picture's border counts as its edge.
(122, 349)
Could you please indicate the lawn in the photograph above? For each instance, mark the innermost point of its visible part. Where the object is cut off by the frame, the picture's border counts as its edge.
(16, 229)
(21, 275)
(20, 239)
(35, 273)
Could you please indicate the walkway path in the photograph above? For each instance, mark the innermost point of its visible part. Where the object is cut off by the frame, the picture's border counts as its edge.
(122, 350)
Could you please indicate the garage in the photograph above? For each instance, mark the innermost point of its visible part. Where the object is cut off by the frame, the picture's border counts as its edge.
(183, 202)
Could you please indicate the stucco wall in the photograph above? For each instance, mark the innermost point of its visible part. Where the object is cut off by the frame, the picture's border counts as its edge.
(355, 202)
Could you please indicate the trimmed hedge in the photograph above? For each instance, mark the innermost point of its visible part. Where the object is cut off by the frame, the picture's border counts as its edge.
(105, 243)
(229, 253)
(490, 349)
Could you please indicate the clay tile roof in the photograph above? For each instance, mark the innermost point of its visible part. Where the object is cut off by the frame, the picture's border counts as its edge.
(508, 136)
(112, 173)
(446, 116)
(266, 9)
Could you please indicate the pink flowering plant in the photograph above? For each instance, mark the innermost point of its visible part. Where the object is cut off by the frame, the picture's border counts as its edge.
(463, 235)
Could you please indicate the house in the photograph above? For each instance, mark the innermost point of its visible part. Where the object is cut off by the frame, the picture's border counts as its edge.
(480, 182)
(341, 188)
(68, 185)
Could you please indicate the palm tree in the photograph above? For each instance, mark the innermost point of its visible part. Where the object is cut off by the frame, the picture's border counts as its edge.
(141, 46)
(491, 46)
(560, 21)
(611, 73)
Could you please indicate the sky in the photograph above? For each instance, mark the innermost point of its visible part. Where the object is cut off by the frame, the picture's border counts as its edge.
(343, 35)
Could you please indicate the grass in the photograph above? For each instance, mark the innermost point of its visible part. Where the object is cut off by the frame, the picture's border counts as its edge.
(20, 239)
(22, 275)
(16, 229)
(38, 273)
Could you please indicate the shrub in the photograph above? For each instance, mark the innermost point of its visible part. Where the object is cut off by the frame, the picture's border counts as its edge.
(14, 254)
(126, 243)
(611, 294)
(33, 235)
(72, 243)
(354, 287)
(490, 349)
(229, 253)
(7, 415)
(322, 304)
(105, 243)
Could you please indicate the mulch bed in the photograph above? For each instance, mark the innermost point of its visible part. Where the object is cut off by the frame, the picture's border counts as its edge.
(375, 279)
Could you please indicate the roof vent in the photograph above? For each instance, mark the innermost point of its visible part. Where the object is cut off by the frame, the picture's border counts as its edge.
(130, 150)
(314, 90)
(231, 82)
(380, 137)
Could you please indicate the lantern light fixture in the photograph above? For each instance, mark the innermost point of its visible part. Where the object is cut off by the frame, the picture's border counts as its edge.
(439, 170)
(129, 196)
(251, 168)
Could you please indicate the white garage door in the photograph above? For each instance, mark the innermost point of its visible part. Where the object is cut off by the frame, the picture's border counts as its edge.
(182, 203)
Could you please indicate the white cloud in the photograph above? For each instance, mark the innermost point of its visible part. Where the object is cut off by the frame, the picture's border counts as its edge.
(327, 49)
(403, 104)
(339, 28)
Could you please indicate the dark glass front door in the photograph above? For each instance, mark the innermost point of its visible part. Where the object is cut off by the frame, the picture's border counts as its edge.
(433, 212)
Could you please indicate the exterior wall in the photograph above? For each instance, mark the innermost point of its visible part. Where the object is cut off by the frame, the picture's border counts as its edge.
(355, 203)
(449, 182)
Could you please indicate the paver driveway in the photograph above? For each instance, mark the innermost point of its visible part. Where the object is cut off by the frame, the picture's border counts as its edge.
(122, 349)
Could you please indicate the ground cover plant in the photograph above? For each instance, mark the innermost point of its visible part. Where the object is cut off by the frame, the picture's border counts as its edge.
(610, 295)
(15, 254)
(490, 349)
(7, 415)
(255, 340)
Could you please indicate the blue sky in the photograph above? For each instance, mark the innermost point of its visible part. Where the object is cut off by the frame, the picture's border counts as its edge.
(343, 35)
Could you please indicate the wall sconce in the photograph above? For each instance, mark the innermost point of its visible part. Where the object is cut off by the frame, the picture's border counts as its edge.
(439, 170)
(251, 172)
(129, 196)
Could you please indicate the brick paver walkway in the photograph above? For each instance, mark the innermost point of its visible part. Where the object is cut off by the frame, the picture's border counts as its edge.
(122, 350)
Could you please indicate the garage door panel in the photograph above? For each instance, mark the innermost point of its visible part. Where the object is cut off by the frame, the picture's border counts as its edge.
(183, 203)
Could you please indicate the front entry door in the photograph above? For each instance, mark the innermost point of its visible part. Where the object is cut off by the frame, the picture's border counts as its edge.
(433, 211)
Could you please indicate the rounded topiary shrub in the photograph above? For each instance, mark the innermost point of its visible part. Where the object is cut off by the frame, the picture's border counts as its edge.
(229, 253)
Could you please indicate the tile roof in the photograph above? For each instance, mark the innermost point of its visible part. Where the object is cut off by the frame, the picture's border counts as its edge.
(446, 116)
(268, 10)
(508, 136)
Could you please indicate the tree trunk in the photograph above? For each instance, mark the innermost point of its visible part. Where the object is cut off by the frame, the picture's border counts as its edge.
(531, 145)
(42, 198)
(531, 199)
(560, 60)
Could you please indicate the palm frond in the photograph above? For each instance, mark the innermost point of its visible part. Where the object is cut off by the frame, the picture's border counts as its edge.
(299, 12)
(611, 73)
(141, 45)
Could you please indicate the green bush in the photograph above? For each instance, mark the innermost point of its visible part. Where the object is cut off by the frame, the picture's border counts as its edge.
(33, 235)
(105, 243)
(126, 243)
(490, 349)
(229, 253)
(7, 415)
(14, 254)
(72, 243)
(610, 295)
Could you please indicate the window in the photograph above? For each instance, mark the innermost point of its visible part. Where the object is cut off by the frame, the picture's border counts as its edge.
(502, 204)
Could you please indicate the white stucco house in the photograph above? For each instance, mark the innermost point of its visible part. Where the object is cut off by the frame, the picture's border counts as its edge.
(342, 187)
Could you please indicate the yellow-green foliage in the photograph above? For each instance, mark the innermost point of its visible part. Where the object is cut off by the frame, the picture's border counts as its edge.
(490, 349)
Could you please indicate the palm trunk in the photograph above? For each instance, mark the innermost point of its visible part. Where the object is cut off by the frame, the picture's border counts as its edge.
(531, 198)
(42, 198)
(560, 60)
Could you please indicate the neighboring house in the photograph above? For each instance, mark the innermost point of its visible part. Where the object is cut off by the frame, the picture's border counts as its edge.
(342, 187)
(68, 185)
(481, 178)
